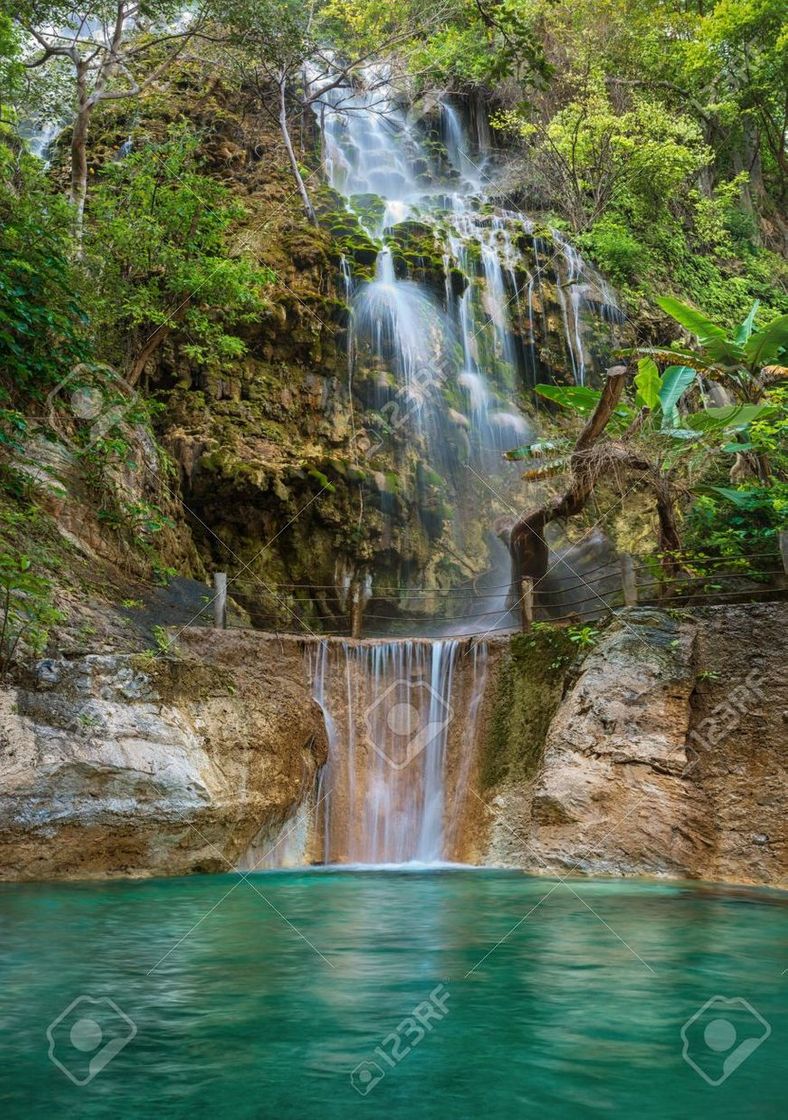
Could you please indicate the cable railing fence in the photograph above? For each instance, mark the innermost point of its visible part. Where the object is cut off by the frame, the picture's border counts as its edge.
(688, 579)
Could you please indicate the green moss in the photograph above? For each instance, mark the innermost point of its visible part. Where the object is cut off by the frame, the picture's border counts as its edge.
(530, 685)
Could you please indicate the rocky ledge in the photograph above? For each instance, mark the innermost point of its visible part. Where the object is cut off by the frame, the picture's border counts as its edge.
(665, 754)
(124, 765)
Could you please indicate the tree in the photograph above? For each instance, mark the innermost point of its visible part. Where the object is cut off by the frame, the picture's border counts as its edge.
(43, 325)
(26, 610)
(659, 433)
(163, 262)
(278, 39)
(115, 49)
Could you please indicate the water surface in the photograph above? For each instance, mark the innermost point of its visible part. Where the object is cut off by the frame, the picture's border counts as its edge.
(258, 998)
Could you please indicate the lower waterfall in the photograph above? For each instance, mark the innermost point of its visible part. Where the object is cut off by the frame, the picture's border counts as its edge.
(401, 718)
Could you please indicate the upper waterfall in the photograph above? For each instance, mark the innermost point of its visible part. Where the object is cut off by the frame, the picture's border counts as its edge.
(459, 303)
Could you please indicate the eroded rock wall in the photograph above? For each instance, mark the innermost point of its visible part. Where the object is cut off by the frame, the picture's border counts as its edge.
(120, 765)
(665, 756)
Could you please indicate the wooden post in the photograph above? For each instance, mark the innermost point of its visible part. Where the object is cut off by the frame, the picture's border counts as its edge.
(629, 583)
(220, 600)
(784, 553)
(356, 609)
(526, 603)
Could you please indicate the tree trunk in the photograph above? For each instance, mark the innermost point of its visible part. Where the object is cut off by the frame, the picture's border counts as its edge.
(528, 548)
(308, 207)
(79, 171)
(147, 352)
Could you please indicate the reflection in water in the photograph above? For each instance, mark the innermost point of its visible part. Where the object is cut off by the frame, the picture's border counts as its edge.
(263, 1003)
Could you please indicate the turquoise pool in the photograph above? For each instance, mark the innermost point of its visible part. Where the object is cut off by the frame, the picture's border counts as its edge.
(415, 994)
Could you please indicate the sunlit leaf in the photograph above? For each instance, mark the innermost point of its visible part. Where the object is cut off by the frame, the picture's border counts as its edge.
(577, 397)
(675, 382)
(745, 329)
(729, 416)
(648, 383)
(765, 346)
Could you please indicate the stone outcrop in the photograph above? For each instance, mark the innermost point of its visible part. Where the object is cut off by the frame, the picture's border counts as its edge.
(659, 752)
(665, 756)
(121, 765)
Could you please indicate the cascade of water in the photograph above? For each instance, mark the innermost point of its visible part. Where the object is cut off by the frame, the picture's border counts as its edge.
(401, 747)
(401, 716)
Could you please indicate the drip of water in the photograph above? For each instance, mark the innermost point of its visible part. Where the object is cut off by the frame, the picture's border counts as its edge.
(401, 718)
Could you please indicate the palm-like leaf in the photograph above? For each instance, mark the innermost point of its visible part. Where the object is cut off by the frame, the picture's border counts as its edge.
(745, 329)
(766, 345)
(536, 450)
(675, 382)
(692, 320)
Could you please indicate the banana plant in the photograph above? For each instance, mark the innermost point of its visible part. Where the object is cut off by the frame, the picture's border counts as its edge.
(746, 359)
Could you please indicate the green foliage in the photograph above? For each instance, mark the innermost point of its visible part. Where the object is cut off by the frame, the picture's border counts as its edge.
(738, 358)
(584, 637)
(26, 610)
(160, 247)
(648, 384)
(738, 525)
(42, 323)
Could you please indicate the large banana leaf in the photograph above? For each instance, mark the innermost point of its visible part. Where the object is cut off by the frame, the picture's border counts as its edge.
(693, 320)
(765, 346)
(745, 330)
(675, 382)
(711, 337)
(725, 352)
(728, 416)
(577, 397)
(648, 383)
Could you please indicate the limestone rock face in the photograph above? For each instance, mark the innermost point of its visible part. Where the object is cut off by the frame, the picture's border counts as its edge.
(665, 757)
(113, 765)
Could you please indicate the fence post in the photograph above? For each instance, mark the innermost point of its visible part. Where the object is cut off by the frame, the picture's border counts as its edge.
(784, 554)
(356, 609)
(629, 583)
(526, 603)
(220, 600)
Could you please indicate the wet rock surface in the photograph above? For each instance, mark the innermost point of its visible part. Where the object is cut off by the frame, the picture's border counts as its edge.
(665, 756)
(121, 765)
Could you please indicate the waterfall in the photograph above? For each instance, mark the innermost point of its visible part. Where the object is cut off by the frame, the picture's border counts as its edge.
(402, 721)
(443, 357)
(452, 362)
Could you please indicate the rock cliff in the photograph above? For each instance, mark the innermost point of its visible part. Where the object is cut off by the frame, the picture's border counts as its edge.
(121, 765)
(659, 751)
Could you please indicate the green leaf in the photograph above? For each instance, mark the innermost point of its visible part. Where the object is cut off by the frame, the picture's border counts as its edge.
(680, 433)
(675, 382)
(535, 450)
(577, 397)
(667, 355)
(711, 337)
(648, 382)
(728, 416)
(745, 329)
(765, 345)
(693, 320)
(741, 498)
